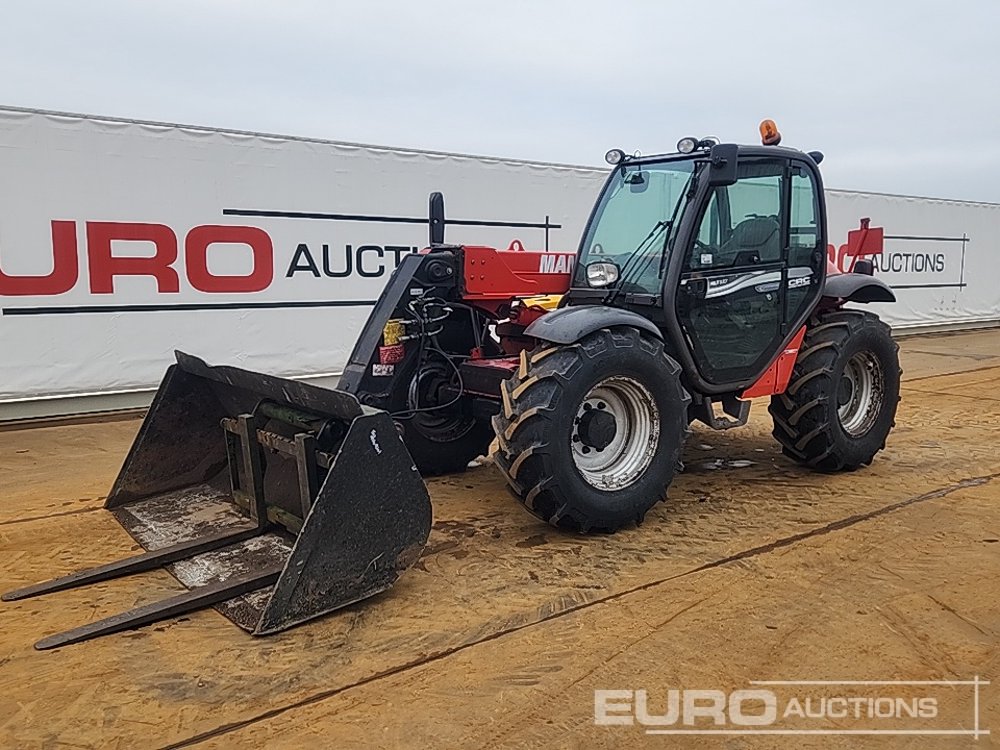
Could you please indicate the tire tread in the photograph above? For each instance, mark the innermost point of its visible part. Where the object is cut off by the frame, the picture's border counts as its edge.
(804, 414)
(525, 426)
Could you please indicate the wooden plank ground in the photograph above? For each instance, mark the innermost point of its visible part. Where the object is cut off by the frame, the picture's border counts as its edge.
(503, 630)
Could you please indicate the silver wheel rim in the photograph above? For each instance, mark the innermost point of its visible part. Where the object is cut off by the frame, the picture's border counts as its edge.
(859, 394)
(637, 432)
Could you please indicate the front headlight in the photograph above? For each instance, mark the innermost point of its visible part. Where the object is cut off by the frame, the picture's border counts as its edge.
(601, 274)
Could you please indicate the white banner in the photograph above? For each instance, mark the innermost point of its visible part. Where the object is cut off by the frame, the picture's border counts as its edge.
(941, 257)
(122, 241)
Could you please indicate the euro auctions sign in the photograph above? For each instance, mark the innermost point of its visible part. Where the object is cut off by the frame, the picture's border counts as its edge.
(121, 241)
(102, 265)
(931, 708)
(248, 246)
(251, 245)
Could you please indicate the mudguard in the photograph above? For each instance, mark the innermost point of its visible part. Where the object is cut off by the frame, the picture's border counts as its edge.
(570, 324)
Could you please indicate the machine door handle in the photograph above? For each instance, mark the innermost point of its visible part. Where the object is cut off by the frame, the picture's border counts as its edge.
(695, 287)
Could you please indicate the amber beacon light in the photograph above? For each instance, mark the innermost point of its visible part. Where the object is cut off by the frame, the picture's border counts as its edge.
(769, 135)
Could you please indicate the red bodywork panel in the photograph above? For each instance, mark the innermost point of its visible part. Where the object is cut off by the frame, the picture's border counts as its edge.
(482, 376)
(511, 332)
(775, 379)
(496, 276)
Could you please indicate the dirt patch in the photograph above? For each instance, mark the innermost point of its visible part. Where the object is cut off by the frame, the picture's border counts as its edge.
(753, 569)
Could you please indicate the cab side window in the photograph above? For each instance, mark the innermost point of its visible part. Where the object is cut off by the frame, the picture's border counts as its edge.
(709, 232)
(804, 252)
(741, 225)
(804, 233)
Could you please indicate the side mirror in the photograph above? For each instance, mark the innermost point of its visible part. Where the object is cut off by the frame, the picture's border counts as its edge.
(723, 160)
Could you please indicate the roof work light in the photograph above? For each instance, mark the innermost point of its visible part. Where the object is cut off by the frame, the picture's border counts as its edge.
(614, 156)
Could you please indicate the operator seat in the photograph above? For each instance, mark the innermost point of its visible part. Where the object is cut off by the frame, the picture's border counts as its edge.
(758, 236)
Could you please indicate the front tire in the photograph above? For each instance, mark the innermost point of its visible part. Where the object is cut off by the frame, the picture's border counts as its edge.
(590, 434)
(841, 401)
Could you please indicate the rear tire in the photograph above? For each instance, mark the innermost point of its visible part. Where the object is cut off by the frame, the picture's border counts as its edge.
(590, 434)
(841, 400)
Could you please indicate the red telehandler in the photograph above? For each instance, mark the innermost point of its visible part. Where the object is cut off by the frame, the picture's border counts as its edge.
(701, 281)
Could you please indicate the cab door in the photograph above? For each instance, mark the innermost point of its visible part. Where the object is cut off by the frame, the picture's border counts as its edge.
(748, 272)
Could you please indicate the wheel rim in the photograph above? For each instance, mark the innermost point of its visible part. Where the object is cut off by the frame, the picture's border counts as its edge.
(859, 395)
(611, 455)
(437, 425)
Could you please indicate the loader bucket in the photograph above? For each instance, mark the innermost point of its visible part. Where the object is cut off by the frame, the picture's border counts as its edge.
(272, 500)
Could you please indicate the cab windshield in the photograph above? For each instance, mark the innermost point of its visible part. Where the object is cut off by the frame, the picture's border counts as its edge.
(635, 223)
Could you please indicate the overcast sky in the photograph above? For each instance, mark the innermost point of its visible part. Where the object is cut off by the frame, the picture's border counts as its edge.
(902, 97)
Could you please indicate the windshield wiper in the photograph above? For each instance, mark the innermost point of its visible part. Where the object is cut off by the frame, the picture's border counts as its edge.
(690, 189)
(628, 267)
(628, 273)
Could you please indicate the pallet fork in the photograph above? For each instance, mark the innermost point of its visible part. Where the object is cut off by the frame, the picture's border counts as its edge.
(272, 500)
